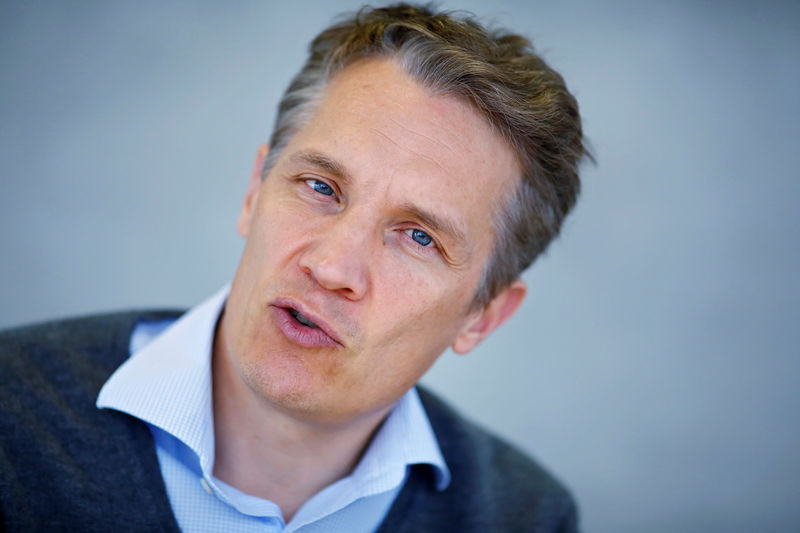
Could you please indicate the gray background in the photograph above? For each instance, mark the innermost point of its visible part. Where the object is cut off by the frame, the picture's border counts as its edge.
(654, 366)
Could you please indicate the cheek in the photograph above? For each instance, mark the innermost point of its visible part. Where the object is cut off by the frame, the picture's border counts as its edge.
(413, 336)
(277, 226)
(420, 313)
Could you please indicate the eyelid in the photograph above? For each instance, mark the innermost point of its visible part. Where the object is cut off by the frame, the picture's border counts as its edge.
(432, 248)
(410, 232)
(436, 248)
(306, 178)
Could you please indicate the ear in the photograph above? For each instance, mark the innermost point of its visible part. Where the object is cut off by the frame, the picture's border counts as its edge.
(250, 197)
(485, 321)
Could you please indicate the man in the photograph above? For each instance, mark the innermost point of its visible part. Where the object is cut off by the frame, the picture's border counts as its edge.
(417, 166)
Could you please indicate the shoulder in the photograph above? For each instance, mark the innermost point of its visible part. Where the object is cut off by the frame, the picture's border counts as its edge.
(79, 331)
(61, 458)
(495, 486)
(58, 367)
(54, 364)
(89, 347)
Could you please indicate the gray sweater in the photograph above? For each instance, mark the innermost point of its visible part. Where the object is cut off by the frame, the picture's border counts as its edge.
(67, 466)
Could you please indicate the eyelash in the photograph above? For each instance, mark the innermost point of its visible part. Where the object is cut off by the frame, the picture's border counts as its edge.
(316, 184)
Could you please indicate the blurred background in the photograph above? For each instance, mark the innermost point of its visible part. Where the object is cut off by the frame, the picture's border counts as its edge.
(654, 367)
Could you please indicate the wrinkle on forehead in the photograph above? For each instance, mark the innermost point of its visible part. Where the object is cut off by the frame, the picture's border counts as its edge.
(431, 139)
(412, 150)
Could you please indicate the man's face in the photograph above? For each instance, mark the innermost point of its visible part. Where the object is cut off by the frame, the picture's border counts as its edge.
(365, 246)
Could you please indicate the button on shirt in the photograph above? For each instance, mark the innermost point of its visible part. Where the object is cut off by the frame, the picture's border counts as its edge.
(167, 384)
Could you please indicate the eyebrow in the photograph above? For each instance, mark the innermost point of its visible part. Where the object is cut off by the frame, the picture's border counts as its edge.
(322, 162)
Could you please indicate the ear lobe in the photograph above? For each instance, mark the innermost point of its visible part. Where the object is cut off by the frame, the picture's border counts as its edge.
(250, 196)
(500, 309)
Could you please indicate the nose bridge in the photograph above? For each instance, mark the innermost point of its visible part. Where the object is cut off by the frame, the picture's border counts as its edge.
(339, 256)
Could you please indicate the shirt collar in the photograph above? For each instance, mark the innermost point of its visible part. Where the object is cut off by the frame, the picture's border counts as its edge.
(167, 383)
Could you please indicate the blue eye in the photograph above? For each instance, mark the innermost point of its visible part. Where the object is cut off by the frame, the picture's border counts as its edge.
(420, 237)
(320, 186)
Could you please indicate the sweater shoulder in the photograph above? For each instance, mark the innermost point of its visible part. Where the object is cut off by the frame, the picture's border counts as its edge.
(58, 365)
(62, 460)
(81, 331)
(97, 342)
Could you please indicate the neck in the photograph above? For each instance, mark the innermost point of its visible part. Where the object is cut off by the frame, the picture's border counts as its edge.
(266, 452)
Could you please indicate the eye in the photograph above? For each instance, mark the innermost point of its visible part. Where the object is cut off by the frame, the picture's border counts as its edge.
(420, 237)
(320, 186)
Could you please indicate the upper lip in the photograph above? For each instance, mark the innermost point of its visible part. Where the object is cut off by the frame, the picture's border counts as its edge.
(289, 303)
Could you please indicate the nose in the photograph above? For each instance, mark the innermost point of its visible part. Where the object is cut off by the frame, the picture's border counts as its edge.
(338, 257)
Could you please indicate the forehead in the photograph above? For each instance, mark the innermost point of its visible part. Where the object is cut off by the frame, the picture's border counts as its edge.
(398, 138)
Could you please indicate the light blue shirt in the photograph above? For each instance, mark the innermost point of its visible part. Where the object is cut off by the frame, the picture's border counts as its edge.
(167, 383)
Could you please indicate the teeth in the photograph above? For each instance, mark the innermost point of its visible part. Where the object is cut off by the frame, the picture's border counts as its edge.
(303, 320)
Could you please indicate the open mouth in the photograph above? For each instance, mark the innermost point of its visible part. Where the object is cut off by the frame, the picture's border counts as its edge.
(300, 329)
(302, 319)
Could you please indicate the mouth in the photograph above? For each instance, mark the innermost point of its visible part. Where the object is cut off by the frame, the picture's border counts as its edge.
(302, 327)
(302, 319)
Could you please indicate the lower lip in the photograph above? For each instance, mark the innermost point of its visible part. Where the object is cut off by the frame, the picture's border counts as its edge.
(298, 333)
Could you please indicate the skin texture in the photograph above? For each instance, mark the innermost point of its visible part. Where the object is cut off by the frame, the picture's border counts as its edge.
(333, 231)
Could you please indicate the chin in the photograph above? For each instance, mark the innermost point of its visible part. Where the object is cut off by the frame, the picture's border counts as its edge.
(285, 383)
